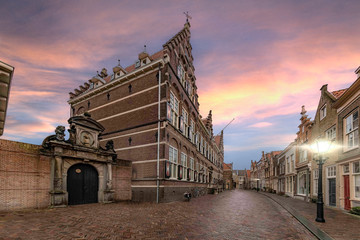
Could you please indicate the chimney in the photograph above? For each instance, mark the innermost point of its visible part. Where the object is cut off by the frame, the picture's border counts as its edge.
(357, 72)
(323, 88)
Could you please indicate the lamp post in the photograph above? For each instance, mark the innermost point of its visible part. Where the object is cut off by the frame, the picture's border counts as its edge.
(320, 147)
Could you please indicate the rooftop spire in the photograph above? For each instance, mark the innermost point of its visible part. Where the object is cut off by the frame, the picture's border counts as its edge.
(187, 16)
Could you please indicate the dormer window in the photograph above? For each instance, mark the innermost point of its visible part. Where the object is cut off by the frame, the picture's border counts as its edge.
(137, 64)
(323, 112)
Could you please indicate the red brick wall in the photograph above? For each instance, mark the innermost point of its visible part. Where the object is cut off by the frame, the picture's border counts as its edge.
(122, 180)
(24, 176)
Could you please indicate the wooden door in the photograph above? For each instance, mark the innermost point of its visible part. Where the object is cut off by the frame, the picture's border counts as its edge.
(82, 184)
(347, 192)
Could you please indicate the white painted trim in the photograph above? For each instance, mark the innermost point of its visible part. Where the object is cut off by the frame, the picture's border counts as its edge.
(130, 134)
(132, 110)
(147, 161)
(139, 146)
(120, 99)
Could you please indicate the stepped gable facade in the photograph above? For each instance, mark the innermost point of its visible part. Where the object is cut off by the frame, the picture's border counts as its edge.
(150, 110)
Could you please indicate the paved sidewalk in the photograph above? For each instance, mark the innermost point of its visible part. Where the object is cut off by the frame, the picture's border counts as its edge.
(339, 224)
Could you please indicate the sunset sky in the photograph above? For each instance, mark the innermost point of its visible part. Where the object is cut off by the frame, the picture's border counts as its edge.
(255, 61)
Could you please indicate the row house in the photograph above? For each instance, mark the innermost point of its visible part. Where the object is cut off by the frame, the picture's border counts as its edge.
(264, 173)
(303, 156)
(347, 165)
(150, 111)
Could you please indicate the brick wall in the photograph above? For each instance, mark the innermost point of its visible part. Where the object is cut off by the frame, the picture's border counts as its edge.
(24, 176)
(122, 180)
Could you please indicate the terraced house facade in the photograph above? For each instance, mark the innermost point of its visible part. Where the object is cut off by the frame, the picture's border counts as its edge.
(150, 111)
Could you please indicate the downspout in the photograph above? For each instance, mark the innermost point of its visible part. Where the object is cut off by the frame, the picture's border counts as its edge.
(158, 141)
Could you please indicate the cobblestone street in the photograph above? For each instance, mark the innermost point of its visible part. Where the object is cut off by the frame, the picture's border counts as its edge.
(230, 215)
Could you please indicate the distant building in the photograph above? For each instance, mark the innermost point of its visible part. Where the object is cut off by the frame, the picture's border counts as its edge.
(6, 74)
(228, 176)
(239, 178)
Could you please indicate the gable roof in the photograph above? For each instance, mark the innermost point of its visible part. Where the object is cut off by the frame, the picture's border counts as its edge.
(338, 93)
(227, 166)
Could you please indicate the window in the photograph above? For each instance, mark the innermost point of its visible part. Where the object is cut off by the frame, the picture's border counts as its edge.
(292, 162)
(202, 145)
(174, 104)
(302, 183)
(351, 131)
(192, 131)
(356, 167)
(287, 165)
(303, 155)
(331, 133)
(331, 172)
(356, 171)
(186, 122)
(316, 181)
(184, 164)
(346, 168)
(173, 158)
(357, 186)
(191, 169)
(323, 112)
(181, 73)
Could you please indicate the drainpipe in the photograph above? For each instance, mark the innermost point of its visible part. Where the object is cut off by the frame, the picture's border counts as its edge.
(158, 141)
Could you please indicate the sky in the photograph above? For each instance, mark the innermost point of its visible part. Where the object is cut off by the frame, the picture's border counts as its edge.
(255, 61)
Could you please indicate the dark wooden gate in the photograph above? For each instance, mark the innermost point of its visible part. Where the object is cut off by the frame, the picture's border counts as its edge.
(332, 192)
(82, 184)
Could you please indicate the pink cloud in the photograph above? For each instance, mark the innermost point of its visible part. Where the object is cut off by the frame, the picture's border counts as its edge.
(261, 125)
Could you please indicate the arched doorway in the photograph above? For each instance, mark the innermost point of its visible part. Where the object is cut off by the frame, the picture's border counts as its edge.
(82, 184)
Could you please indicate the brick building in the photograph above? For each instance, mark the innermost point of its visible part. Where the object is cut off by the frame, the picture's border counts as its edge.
(303, 156)
(151, 112)
(228, 176)
(348, 163)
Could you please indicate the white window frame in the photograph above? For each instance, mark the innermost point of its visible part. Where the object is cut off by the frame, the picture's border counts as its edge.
(323, 112)
(173, 158)
(303, 155)
(186, 122)
(192, 130)
(351, 131)
(184, 165)
(356, 176)
(191, 169)
(331, 171)
(174, 104)
(331, 133)
(301, 175)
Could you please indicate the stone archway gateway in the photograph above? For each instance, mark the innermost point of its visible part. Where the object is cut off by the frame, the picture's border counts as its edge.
(82, 184)
(81, 170)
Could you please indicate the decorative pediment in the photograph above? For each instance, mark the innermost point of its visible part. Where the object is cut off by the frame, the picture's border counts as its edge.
(85, 131)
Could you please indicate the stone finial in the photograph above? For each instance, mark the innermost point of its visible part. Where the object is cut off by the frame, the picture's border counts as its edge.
(303, 111)
(103, 73)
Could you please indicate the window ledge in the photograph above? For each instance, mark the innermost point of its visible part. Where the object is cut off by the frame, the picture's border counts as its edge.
(350, 149)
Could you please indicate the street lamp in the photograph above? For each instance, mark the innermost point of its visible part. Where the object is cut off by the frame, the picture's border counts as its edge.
(320, 147)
